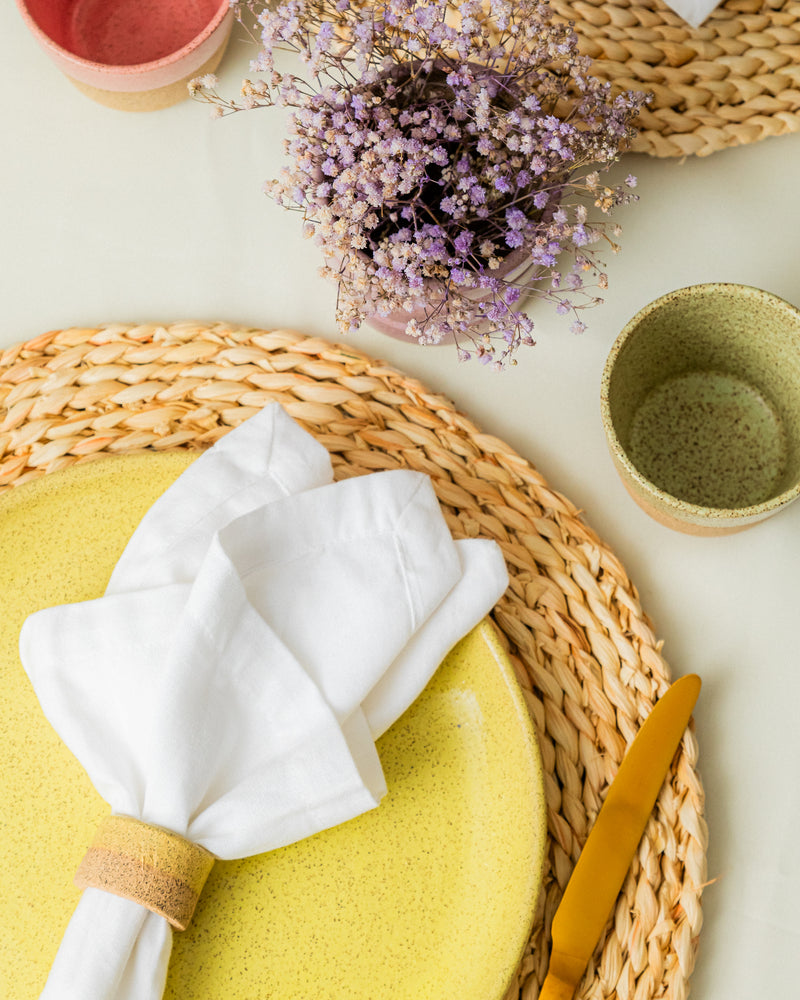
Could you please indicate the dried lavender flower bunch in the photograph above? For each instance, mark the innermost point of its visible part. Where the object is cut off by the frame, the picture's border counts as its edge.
(434, 145)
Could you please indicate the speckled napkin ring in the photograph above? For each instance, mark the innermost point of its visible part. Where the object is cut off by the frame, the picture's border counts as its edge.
(154, 867)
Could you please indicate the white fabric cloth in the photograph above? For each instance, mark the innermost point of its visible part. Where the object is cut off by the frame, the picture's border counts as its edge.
(262, 628)
(694, 12)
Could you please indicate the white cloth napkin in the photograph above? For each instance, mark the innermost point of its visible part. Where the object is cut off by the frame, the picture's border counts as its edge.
(262, 628)
(694, 12)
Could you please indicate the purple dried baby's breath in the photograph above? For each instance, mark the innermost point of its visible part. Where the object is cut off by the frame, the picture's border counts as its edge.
(424, 151)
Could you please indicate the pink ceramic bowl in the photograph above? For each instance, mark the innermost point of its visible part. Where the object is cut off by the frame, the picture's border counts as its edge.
(137, 55)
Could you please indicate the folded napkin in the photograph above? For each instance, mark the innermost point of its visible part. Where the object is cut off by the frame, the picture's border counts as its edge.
(262, 628)
(694, 12)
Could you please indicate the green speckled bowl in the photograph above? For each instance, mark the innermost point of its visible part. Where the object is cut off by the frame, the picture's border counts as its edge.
(428, 897)
(700, 402)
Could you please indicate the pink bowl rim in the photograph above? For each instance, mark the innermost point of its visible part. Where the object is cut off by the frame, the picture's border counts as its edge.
(132, 69)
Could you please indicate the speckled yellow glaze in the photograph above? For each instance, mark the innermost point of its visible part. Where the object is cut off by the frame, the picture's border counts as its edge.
(428, 897)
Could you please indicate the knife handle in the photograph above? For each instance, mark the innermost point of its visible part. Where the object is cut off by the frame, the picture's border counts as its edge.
(555, 989)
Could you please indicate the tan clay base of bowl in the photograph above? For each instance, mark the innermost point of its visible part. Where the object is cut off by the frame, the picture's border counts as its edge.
(685, 526)
(150, 100)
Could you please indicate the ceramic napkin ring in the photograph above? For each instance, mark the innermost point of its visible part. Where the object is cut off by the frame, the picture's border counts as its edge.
(154, 867)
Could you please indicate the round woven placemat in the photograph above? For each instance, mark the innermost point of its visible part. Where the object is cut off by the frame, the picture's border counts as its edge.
(584, 650)
(734, 80)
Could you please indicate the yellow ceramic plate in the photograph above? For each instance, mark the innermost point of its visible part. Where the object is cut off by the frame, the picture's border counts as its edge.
(428, 897)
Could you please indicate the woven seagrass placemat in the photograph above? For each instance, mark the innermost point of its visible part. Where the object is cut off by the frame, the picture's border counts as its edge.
(734, 80)
(585, 652)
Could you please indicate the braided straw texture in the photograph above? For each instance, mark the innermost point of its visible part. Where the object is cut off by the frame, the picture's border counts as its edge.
(586, 656)
(734, 80)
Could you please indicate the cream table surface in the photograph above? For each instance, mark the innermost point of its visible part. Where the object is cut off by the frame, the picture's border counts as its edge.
(108, 216)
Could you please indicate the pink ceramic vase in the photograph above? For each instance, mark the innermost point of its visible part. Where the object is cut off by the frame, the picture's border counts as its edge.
(516, 266)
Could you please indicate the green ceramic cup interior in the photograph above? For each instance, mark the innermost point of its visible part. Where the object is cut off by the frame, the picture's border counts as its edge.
(700, 402)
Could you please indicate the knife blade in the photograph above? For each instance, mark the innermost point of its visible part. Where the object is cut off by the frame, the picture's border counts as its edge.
(608, 852)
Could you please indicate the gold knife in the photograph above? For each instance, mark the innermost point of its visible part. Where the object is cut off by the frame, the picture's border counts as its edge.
(607, 855)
